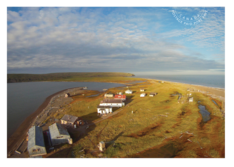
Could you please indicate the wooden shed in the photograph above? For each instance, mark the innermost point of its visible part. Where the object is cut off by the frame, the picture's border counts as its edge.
(69, 120)
(67, 95)
(142, 90)
(109, 95)
(128, 92)
(191, 99)
(101, 110)
(152, 94)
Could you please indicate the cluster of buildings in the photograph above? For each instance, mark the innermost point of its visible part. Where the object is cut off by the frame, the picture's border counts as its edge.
(56, 135)
(110, 100)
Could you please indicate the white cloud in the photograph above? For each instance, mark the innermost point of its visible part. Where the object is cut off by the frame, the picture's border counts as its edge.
(70, 38)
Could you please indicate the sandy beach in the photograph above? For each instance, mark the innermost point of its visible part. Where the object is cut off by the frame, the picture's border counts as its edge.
(20, 134)
(17, 137)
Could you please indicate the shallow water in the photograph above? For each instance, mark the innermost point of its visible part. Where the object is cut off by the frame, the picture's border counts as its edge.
(205, 114)
(215, 103)
(94, 95)
(24, 98)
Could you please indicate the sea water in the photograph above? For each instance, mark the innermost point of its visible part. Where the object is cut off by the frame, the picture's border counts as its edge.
(217, 81)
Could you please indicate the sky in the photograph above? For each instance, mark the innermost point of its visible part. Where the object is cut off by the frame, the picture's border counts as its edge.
(139, 40)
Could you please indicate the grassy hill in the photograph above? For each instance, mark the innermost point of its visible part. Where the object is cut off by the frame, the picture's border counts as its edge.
(73, 76)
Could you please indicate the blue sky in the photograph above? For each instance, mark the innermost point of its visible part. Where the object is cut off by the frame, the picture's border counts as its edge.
(117, 39)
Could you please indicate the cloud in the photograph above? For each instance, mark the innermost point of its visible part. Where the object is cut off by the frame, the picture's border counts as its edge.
(119, 39)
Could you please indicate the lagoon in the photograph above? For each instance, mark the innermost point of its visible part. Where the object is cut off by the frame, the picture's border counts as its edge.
(24, 98)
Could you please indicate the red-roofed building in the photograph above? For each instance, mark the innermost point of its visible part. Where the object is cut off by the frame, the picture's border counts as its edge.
(122, 97)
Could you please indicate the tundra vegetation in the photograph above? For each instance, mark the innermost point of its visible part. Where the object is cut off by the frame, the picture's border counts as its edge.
(76, 76)
(159, 126)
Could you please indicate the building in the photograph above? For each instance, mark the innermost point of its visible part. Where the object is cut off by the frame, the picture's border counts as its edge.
(67, 95)
(191, 99)
(69, 120)
(101, 146)
(128, 92)
(142, 90)
(122, 97)
(36, 144)
(152, 94)
(59, 134)
(143, 95)
(112, 102)
(104, 110)
(109, 95)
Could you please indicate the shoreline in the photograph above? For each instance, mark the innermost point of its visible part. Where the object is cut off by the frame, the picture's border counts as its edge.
(183, 83)
(20, 133)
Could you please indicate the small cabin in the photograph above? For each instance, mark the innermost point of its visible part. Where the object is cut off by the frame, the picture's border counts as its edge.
(152, 94)
(122, 97)
(102, 110)
(143, 95)
(142, 90)
(109, 95)
(191, 99)
(69, 120)
(101, 146)
(128, 92)
(67, 95)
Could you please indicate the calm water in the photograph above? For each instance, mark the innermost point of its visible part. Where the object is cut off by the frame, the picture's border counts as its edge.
(205, 80)
(24, 98)
(205, 114)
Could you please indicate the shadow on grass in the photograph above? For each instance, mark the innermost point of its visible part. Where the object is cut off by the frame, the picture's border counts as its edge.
(114, 139)
(128, 100)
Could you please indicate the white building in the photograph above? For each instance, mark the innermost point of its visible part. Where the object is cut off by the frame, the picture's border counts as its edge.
(143, 95)
(191, 99)
(104, 110)
(101, 146)
(128, 92)
(112, 103)
(152, 94)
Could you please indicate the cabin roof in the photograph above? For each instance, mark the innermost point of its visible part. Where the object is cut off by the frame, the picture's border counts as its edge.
(35, 137)
(102, 107)
(69, 118)
(57, 130)
(111, 101)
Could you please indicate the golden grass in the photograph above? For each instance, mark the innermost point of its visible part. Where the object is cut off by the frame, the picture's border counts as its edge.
(159, 122)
